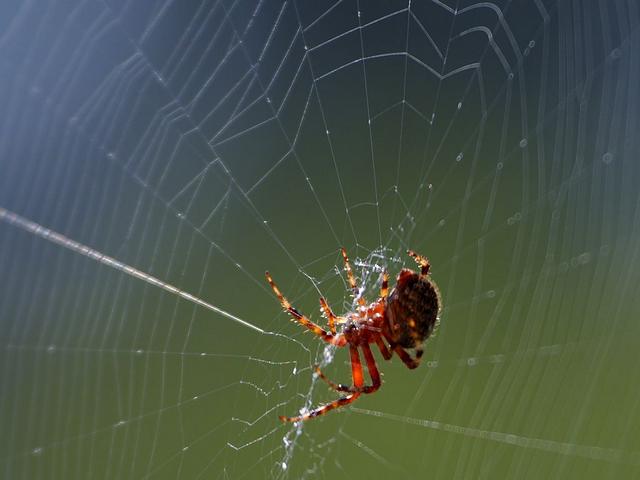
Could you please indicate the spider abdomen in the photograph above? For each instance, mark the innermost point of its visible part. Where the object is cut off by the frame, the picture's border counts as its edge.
(412, 309)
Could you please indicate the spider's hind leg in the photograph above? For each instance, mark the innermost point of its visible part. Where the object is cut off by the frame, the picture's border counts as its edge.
(420, 260)
(409, 362)
(384, 287)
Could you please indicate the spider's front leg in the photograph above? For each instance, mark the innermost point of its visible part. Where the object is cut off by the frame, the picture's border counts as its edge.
(332, 338)
(358, 382)
(331, 317)
(351, 278)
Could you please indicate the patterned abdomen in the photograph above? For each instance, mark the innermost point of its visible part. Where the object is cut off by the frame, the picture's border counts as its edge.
(412, 309)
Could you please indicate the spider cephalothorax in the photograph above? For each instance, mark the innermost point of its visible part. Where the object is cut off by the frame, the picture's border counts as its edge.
(405, 319)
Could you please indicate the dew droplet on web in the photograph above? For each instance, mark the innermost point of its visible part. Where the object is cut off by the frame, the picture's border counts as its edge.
(584, 258)
(607, 158)
(511, 438)
(523, 143)
(459, 157)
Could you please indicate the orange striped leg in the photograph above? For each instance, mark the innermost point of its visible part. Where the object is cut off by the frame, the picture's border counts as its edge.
(373, 371)
(384, 293)
(406, 358)
(328, 313)
(386, 353)
(420, 260)
(351, 278)
(384, 288)
(404, 355)
(358, 381)
(336, 386)
(326, 336)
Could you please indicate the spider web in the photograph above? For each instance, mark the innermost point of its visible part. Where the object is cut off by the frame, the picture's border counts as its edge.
(157, 158)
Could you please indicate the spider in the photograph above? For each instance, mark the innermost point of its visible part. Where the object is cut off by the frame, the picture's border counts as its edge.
(405, 319)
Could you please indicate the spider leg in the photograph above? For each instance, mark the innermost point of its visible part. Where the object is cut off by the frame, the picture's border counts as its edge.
(335, 386)
(351, 278)
(331, 317)
(386, 353)
(373, 371)
(358, 381)
(411, 363)
(338, 340)
(420, 260)
(384, 288)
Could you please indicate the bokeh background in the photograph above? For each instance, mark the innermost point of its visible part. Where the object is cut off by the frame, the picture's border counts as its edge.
(205, 142)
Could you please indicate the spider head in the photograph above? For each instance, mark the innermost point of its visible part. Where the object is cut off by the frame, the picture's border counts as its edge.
(412, 309)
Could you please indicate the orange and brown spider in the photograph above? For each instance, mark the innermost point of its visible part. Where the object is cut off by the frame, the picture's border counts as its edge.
(405, 318)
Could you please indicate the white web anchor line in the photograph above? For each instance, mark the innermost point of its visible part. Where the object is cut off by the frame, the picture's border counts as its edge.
(54, 237)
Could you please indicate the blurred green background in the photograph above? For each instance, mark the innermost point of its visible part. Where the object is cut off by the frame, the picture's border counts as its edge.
(204, 143)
